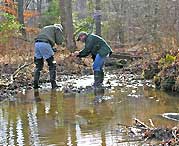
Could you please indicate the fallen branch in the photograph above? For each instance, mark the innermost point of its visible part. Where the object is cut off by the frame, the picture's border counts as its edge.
(130, 140)
(141, 124)
(19, 69)
(151, 123)
(14, 75)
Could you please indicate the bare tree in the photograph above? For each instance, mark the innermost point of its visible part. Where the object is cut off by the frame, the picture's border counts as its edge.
(63, 16)
(39, 6)
(21, 17)
(69, 26)
(97, 17)
(67, 22)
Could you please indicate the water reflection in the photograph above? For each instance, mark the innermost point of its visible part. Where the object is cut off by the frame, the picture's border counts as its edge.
(55, 118)
(93, 115)
(37, 95)
(99, 94)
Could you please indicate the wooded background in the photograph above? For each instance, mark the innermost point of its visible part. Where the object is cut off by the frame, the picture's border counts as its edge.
(127, 24)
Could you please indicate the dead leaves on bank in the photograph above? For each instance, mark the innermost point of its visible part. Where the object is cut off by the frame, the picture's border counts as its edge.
(71, 64)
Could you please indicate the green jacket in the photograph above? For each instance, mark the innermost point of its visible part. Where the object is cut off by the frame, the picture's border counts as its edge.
(52, 34)
(95, 45)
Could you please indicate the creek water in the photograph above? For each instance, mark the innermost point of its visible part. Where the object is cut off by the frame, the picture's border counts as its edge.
(56, 118)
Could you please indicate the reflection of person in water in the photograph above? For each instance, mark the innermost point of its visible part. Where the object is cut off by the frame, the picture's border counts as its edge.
(93, 115)
(48, 106)
(49, 115)
(99, 94)
(37, 96)
(95, 120)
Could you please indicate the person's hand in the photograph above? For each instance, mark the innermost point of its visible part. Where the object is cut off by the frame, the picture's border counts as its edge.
(75, 54)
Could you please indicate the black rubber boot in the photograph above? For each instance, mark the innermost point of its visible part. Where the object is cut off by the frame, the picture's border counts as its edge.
(53, 79)
(36, 79)
(101, 76)
(52, 72)
(39, 66)
(98, 78)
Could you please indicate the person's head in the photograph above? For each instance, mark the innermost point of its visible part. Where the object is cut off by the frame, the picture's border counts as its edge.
(82, 36)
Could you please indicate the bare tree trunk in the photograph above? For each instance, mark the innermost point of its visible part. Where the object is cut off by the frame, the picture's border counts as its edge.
(39, 6)
(62, 16)
(98, 17)
(69, 26)
(21, 17)
(67, 22)
(122, 28)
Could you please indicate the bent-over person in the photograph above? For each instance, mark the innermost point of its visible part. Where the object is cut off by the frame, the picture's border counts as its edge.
(48, 37)
(99, 50)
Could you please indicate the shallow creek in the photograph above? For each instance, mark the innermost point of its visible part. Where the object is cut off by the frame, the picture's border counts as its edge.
(84, 118)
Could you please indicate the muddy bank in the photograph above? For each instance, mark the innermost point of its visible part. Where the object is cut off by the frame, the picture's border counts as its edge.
(164, 71)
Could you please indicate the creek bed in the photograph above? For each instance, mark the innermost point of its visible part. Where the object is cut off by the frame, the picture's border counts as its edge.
(71, 115)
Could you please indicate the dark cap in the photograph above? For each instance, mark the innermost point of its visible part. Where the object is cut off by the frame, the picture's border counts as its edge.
(80, 34)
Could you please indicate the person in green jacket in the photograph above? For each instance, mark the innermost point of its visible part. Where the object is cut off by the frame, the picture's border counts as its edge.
(99, 50)
(45, 41)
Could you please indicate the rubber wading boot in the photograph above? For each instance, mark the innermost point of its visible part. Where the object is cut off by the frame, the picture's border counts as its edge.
(54, 85)
(101, 76)
(98, 78)
(39, 65)
(36, 79)
(52, 72)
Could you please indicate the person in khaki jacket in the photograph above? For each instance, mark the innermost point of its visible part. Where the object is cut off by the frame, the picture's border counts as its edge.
(48, 37)
(99, 50)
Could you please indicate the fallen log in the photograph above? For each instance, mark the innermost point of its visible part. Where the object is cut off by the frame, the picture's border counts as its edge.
(127, 56)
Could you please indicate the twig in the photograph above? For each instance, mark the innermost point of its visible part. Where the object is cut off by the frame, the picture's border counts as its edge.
(131, 140)
(151, 123)
(141, 123)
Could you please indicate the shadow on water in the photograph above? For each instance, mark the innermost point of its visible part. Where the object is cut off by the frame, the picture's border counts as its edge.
(81, 119)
